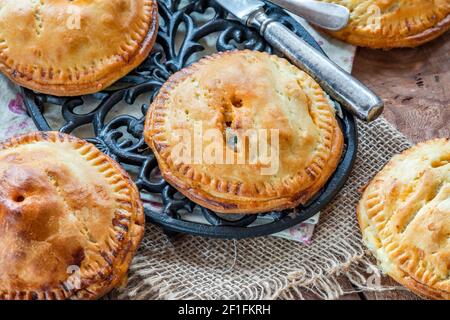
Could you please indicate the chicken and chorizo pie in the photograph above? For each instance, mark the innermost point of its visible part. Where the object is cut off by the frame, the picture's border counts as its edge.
(70, 219)
(394, 23)
(404, 216)
(77, 47)
(244, 132)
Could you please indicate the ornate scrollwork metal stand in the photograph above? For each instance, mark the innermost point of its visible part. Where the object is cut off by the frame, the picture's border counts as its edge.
(121, 136)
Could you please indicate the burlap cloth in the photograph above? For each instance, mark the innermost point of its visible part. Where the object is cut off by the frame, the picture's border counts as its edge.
(191, 267)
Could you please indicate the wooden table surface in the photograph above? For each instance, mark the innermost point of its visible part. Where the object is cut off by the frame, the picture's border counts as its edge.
(415, 86)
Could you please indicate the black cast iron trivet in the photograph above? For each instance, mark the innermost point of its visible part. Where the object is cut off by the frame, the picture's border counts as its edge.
(120, 136)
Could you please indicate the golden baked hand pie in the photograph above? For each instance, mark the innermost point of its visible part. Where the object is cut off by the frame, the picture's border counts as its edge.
(394, 23)
(70, 219)
(404, 216)
(228, 103)
(69, 48)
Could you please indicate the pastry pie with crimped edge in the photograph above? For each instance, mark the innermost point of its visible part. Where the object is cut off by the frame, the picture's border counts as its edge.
(394, 23)
(404, 216)
(70, 219)
(68, 48)
(233, 93)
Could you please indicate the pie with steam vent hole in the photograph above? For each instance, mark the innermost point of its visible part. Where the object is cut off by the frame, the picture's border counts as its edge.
(404, 215)
(228, 95)
(69, 48)
(70, 219)
(394, 23)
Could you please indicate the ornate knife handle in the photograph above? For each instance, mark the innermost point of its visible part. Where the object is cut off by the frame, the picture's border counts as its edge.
(340, 85)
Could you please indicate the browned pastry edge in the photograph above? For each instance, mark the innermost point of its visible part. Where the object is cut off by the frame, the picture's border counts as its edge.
(222, 205)
(391, 43)
(219, 205)
(409, 282)
(406, 280)
(127, 241)
(77, 89)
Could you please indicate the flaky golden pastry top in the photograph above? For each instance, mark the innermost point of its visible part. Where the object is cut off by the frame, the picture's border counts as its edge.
(70, 219)
(233, 92)
(75, 47)
(404, 216)
(394, 23)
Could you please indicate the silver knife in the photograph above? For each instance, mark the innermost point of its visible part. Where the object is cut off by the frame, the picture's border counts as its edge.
(340, 85)
(326, 15)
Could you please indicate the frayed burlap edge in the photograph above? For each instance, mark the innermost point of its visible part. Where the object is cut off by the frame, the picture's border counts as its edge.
(358, 268)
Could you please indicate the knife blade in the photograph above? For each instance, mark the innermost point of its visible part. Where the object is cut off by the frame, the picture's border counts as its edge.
(326, 15)
(241, 9)
(340, 85)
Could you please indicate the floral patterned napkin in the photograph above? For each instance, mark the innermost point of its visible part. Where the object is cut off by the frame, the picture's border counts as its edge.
(14, 119)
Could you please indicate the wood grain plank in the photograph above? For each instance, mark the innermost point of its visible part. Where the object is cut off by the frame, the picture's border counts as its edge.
(414, 84)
